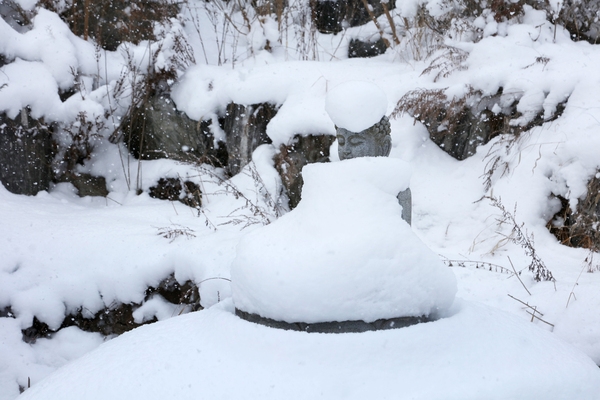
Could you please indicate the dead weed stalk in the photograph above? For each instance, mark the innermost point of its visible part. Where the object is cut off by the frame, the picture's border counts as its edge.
(522, 238)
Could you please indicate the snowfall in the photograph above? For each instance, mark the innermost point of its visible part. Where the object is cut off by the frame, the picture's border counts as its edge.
(501, 334)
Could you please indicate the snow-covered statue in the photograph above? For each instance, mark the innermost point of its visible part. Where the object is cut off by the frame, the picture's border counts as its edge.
(362, 129)
(343, 260)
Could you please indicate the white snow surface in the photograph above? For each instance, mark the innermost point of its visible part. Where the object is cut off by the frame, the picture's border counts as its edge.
(356, 106)
(343, 254)
(61, 254)
(475, 353)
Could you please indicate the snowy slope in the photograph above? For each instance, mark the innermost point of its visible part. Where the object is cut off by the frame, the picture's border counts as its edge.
(59, 253)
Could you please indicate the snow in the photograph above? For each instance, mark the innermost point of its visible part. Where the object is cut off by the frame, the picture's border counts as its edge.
(475, 353)
(60, 253)
(356, 106)
(343, 254)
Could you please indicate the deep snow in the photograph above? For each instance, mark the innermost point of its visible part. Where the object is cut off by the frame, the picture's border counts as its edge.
(344, 254)
(59, 253)
(476, 352)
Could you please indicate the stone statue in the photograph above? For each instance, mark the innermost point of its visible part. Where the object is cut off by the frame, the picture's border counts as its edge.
(375, 141)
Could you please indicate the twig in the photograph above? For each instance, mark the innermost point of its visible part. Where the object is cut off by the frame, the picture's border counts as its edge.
(374, 19)
(575, 284)
(525, 304)
(214, 278)
(478, 265)
(536, 317)
(521, 237)
(391, 22)
(518, 277)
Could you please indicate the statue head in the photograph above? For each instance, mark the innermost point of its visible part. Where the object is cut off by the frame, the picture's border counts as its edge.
(375, 141)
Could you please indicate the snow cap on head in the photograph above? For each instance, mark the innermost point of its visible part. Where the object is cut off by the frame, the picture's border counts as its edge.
(356, 105)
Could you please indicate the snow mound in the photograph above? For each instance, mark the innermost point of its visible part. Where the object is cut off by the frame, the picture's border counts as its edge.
(344, 254)
(356, 105)
(477, 353)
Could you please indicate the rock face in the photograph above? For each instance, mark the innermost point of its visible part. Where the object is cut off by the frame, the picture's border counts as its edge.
(359, 48)
(158, 130)
(245, 128)
(25, 154)
(114, 22)
(331, 16)
(471, 130)
(291, 158)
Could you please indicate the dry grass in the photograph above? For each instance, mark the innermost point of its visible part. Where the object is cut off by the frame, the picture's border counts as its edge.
(433, 108)
(519, 236)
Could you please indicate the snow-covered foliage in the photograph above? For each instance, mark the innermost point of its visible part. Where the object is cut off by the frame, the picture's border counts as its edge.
(61, 254)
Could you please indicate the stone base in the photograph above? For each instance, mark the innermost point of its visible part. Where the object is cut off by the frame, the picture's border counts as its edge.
(334, 327)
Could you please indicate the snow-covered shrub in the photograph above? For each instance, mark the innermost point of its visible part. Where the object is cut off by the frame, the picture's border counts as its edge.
(581, 18)
(75, 142)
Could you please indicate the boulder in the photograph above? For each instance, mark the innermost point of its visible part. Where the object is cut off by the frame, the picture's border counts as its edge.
(158, 130)
(245, 129)
(358, 48)
(25, 154)
(333, 16)
(86, 184)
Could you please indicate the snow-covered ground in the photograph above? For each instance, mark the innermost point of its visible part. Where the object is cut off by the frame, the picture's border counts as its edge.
(60, 253)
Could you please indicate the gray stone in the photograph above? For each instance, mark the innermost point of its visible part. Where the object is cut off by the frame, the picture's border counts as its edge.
(245, 129)
(335, 326)
(158, 130)
(332, 16)
(405, 200)
(358, 48)
(375, 141)
(470, 131)
(25, 154)
(292, 158)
